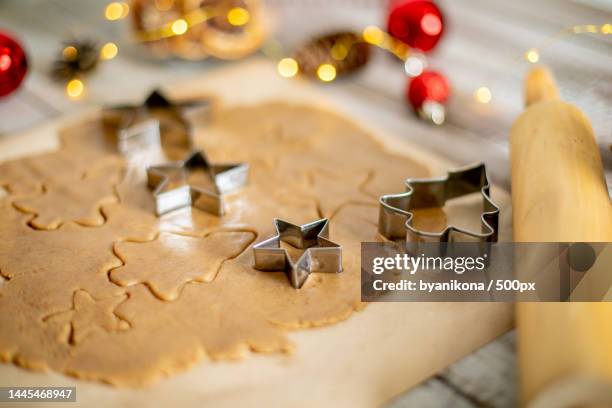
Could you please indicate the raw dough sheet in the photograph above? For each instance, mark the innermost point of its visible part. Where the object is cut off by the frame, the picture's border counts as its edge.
(100, 289)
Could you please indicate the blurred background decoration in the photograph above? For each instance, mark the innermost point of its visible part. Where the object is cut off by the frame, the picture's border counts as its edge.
(418, 23)
(195, 29)
(13, 64)
(233, 29)
(76, 59)
(327, 56)
(414, 28)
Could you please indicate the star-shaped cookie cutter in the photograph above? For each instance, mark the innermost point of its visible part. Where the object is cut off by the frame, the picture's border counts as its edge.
(140, 137)
(395, 216)
(172, 190)
(320, 256)
(136, 132)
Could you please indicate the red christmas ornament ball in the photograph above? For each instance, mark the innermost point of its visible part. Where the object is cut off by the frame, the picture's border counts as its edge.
(418, 23)
(13, 64)
(430, 86)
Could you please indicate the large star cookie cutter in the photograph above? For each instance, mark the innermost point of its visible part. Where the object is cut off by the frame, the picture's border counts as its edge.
(395, 216)
(141, 137)
(172, 189)
(137, 128)
(320, 256)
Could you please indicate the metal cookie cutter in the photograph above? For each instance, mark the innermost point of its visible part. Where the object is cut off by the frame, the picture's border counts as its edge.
(172, 189)
(137, 128)
(395, 216)
(143, 136)
(321, 255)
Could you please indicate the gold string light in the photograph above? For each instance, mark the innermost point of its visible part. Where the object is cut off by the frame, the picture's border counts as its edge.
(179, 26)
(238, 16)
(373, 35)
(483, 94)
(324, 58)
(326, 72)
(116, 11)
(414, 65)
(287, 67)
(72, 68)
(75, 88)
(381, 39)
(532, 55)
(339, 51)
(70, 53)
(109, 51)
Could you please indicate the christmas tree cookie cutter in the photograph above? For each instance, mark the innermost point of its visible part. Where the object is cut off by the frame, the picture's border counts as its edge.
(320, 256)
(395, 215)
(172, 189)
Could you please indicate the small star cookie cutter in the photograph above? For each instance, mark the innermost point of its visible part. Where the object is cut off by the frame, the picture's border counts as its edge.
(172, 190)
(395, 216)
(320, 256)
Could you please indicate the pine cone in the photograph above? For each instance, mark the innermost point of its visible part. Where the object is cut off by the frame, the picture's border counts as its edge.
(346, 51)
(75, 59)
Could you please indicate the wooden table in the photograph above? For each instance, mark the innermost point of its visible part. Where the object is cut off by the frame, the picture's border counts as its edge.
(484, 45)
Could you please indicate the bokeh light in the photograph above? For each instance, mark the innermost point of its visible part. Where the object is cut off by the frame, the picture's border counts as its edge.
(238, 16)
(532, 55)
(339, 51)
(116, 10)
(326, 72)
(75, 88)
(109, 51)
(179, 27)
(70, 53)
(431, 24)
(5, 62)
(483, 95)
(287, 67)
(373, 35)
(414, 66)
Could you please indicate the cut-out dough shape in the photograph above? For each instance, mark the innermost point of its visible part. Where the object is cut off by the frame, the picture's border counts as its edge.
(51, 265)
(88, 316)
(26, 176)
(71, 199)
(345, 187)
(20, 179)
(168, 263)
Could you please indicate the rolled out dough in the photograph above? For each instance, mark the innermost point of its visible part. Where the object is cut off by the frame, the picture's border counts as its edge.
(100, 300)
(76, 320)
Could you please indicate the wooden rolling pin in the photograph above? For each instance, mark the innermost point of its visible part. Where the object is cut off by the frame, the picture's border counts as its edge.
(559, 194)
